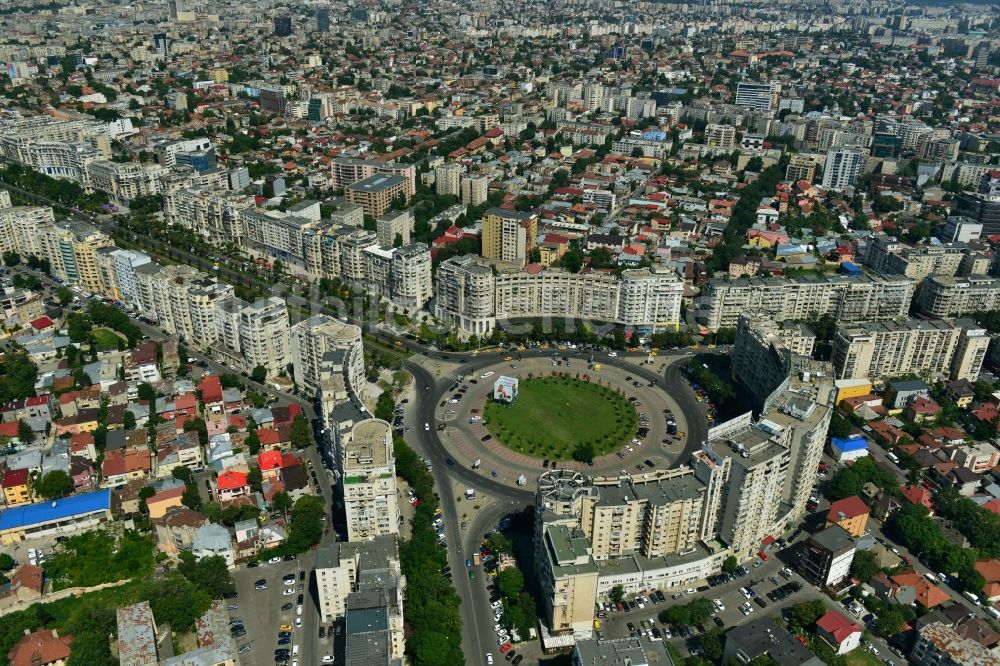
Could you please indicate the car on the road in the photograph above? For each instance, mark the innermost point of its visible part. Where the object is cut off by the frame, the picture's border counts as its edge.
(487, 375)
(284, 641)
(285, 627)
(274, 560)
(489, 657)
(427, 426)
(322, 632)
(287, 592)
(244, 649)
(327, 659)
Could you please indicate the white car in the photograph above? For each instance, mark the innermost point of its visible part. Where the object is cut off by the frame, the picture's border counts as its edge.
(498, 628)
(327, 658)
(612, 354)
(496, 604)
(427, 426)
(298, 622)
(487, 375)
(489, 657)
(274, 560)
(288, 591)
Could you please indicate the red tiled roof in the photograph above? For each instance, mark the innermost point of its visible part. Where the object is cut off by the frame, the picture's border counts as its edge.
(231, 480)
(837, 626)
(849, 507)
(15, 477)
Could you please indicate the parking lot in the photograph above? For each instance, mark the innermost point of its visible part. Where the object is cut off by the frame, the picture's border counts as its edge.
(264, 611)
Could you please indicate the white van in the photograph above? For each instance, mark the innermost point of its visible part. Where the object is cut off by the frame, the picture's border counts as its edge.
(971, 597)
(295, 650)
(994, 613)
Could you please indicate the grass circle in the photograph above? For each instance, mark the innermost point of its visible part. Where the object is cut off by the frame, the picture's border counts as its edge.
(562, 418)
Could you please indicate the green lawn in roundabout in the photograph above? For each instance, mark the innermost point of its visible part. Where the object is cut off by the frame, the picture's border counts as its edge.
(563, 418)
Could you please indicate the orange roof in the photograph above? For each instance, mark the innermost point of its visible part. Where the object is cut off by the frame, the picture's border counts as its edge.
(268, 460)
(39, 648)
(918, 495)
(231, 480)
(837, 626)
(989, 569)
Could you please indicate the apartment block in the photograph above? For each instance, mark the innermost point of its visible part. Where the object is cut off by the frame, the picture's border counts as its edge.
(842, 168)
(720, 136)
(377, 194)
(322, 348)
(264, 334)
(125, 181)
(800, 167)
(343, 568)
(345, 171)
(396, 224)
(887, 255)
(411, 283)
(368, 475)
(876, 350)
(508, 235)
(474, 190)
(846, 298)
(825, 560)
(944, 296)
(464, 295)
(757, 96)
(447, 179)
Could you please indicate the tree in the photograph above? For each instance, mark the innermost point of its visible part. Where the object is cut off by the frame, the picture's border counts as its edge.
(889, 623)
(11, 259)
(6, 562)
(510, 582)
(255, 478)
(301, 432)
(182, 473)
(865, 565)
(498, 543)
(617, 593)
(191, 499)
(572, 260)
(806, 613)
(700, 610)
(729, 564)
(25, 433)
(144, 494)
(252, 442)
(259, 374)
(281, 501)
(64, 295)
(306, 524)
(712, 644)
(676, 615)
(584, 452)
(209, 574)
(55, 483)
(146, 392)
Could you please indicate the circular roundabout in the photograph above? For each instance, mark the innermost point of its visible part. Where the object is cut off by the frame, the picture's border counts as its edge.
(562, 418)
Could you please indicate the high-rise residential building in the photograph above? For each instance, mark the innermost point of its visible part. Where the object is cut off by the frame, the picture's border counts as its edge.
(377, 194)
(846, 298)
(470, 296)
(394, 228)
(825, 558)
(720, 136)
(368, 476)
(842, 168)
(947, 296)
(464, 294)
(282, 26)
(982, 207)
(324, 348)
(264, 334)
(877, 350)
(412, 284)
(322, 19)
(346, 171)
(758, 96)
(447, 178)
(475, 190)
(508, 235)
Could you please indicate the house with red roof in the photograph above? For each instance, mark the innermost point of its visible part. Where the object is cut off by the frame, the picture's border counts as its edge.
(44, 647)
(918, 495)
(922, 409)
(231, 484)
(851, 513)
(16, 487)
(42, 325)
(127, 464)
(210, 388)
(989, 569)
(840, 633)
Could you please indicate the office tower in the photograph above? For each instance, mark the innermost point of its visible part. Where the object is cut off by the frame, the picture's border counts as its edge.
(160, 43)
(447, 178)
(368, 472)
(323, 19)
(758, 96)
(282, 26)
(508, 234)
(842, 168)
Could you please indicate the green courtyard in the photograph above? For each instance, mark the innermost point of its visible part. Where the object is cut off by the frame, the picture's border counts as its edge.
(563, 418)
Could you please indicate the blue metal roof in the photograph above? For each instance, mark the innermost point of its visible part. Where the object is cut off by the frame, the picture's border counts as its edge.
(850, 444)
(44, 512)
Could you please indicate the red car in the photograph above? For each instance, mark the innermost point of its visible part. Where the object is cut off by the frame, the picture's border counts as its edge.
(505, 648)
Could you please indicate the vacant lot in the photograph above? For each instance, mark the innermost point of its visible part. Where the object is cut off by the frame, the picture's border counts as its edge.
(554, 417)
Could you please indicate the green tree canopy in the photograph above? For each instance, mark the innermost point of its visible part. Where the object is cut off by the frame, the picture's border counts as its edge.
(55, 483)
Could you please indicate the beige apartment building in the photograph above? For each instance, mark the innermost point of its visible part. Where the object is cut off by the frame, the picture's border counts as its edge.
(323, 347)
(847, 298)
(377, 193)
(368, 469)
(939, 348)
(946, 296)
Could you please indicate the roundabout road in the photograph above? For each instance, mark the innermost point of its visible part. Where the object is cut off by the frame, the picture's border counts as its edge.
(432, 390)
